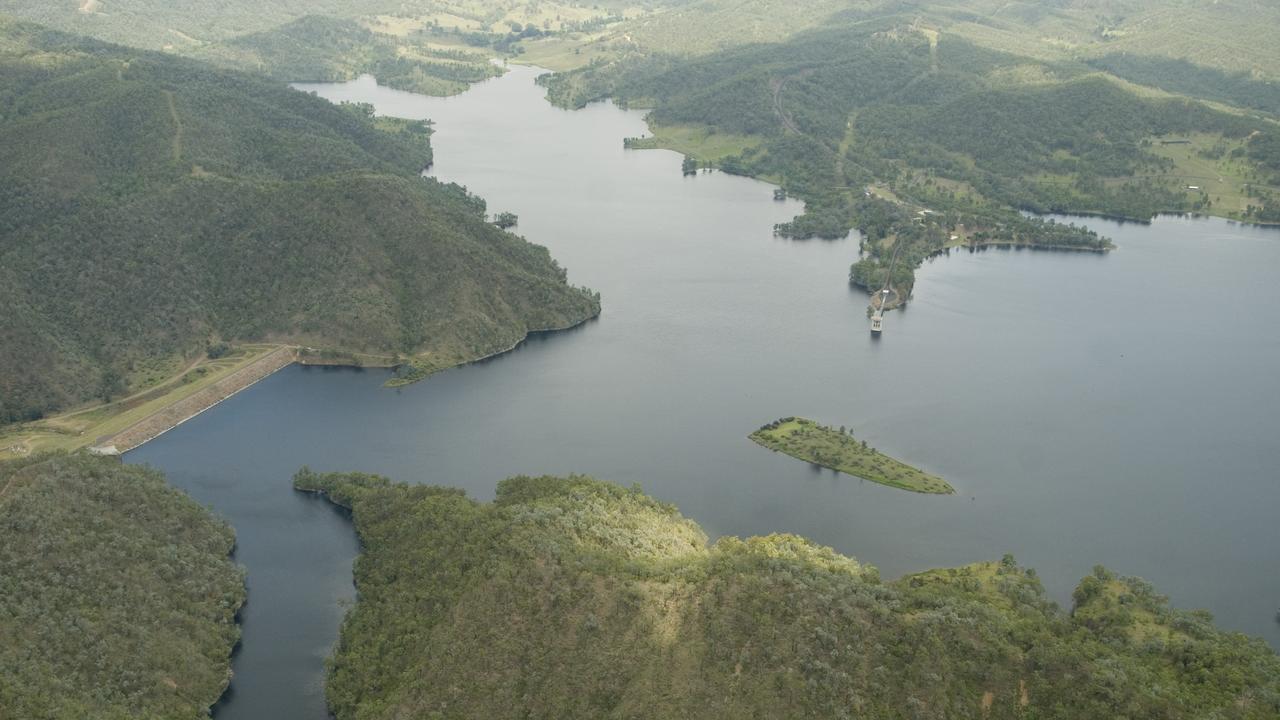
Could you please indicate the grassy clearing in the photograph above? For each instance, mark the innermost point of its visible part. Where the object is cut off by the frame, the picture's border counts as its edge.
(1206, 162)
(981, 579)
(564, 53)
(1127, 607)
(394, 24)
(548, 16)
(699, 142)
(83, 427)
(835, 449)
(150, 372)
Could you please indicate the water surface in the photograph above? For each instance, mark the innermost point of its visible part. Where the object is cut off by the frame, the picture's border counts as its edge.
(1089, 409)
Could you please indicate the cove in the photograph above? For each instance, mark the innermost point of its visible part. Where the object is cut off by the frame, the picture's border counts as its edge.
(1115, 409)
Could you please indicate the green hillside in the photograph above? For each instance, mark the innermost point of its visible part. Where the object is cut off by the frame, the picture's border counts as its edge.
(150, 206)
(177, 24)
(184, 25)
(117, 595)
(574, 598)
(1240, 88)
(924, 139)
(1228, 35)
(877, 101)
(321, 49)
(435, 47)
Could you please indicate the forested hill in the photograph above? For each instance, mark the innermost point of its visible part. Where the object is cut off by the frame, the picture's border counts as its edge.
(317, 48)
(573, 598)
(436, 47)
(151, 205)
(1226, 35)
(118, 597)
(882, 100)
(885, 123)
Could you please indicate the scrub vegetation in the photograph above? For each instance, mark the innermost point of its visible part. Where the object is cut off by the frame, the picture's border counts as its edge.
(153, 208)
(570, 597)
(117, 594)
(839, 450)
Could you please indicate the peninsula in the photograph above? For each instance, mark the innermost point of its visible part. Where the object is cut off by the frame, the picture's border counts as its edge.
(642, 616)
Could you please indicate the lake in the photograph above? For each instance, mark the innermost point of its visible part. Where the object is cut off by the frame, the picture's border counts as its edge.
(1117, 409)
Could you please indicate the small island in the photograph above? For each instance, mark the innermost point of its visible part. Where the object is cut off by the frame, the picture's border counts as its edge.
(838, 450)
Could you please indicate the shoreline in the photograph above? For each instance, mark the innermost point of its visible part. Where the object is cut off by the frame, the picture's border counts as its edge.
(161, 421)
(1085, 216)
(399, 382)
(714, 164)
(238, 619)
(900, 300)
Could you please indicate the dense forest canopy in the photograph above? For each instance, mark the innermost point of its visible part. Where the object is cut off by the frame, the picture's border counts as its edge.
(151, 205)
(569, 597)
(117, 594)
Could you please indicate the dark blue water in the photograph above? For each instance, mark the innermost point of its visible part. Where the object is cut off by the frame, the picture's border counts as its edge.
(1115, 409)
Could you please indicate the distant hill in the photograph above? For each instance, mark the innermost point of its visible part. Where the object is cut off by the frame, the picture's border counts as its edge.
(1228, 35)
(316, 48)
(573, 598)
(151, 205)
(435, 47)
(178, 24)
(117, 594)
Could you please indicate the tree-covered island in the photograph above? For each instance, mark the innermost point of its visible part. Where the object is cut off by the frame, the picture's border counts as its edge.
(838, 450)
